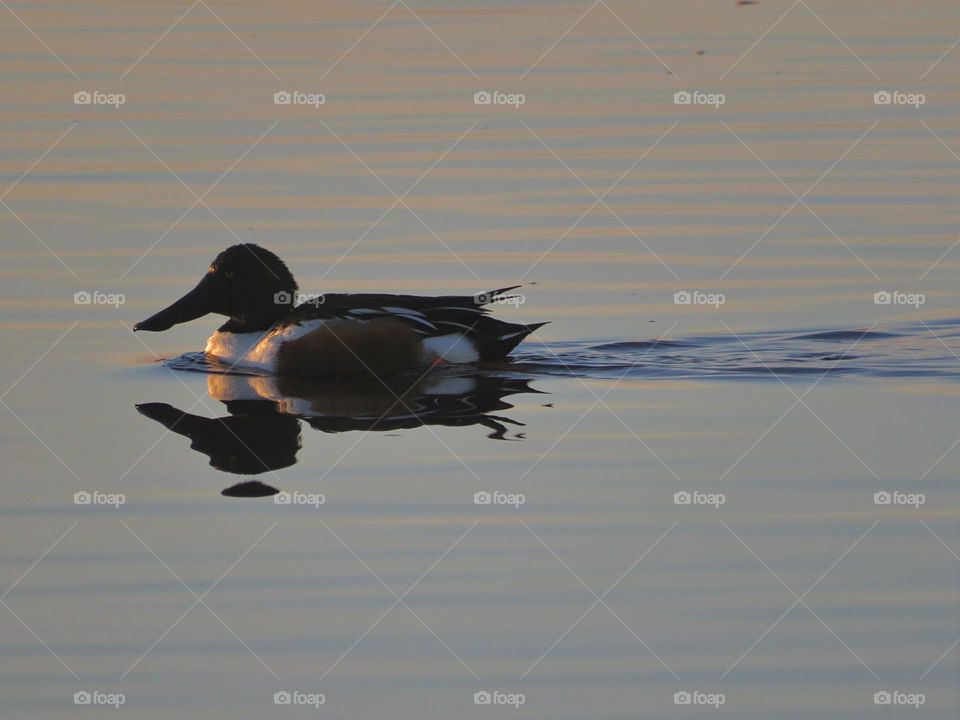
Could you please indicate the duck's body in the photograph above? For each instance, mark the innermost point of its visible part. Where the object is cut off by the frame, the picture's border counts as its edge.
(379, 334)
(334, 335)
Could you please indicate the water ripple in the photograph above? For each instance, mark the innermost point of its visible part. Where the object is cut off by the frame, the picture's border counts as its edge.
(918, 350)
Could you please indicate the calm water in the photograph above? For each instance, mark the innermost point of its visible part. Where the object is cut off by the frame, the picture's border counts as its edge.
(333, 539)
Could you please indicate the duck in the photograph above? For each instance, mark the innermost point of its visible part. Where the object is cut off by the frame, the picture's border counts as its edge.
(272, 329)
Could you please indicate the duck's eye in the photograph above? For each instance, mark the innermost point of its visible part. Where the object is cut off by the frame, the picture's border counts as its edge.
(228, 273)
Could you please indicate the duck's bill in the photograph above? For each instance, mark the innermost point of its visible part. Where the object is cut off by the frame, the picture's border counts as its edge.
(191, 306)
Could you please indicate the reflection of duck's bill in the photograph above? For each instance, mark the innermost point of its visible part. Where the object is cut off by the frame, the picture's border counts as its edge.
(247, 442)
(165, 414)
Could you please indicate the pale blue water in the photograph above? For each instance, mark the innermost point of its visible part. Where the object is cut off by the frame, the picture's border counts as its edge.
(814, 431)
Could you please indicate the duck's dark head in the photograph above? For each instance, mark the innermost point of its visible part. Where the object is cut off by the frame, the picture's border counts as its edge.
(247, 283)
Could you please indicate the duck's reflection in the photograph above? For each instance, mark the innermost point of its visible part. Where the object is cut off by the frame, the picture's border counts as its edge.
(262, 431)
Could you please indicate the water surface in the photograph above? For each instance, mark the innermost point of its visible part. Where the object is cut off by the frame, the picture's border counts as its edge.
(797, 399)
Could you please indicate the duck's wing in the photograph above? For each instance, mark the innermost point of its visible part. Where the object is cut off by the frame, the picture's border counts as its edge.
(428, 316)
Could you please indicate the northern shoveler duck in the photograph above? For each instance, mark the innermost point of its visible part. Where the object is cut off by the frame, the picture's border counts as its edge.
(334, 335)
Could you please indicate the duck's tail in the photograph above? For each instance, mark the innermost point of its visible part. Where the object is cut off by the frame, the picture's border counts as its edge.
(507, 337)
